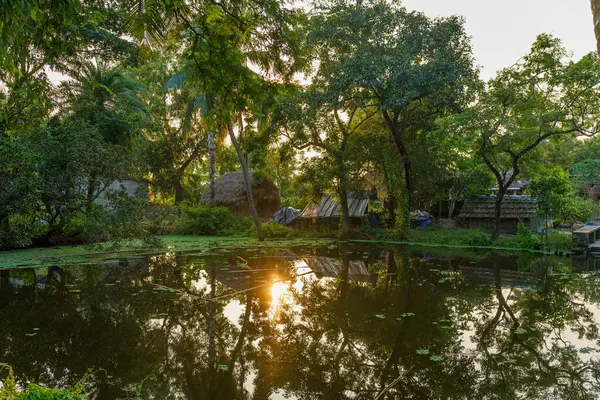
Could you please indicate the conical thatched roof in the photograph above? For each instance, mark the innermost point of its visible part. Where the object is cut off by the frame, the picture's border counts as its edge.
(230, 192)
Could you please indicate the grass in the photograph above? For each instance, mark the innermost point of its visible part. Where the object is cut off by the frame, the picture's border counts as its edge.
(437, 236)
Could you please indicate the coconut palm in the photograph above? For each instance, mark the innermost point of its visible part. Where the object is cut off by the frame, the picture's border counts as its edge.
(596, 14)
(106, 97)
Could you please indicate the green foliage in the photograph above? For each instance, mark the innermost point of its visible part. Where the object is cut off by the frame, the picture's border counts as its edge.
(478, 238)
(32, 391)
(205, 220)
(559, 241)
(557, 199)
(276, 230)
(524, 239)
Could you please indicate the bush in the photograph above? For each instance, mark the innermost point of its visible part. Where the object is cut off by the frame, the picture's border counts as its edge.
(524, 239)
(478, 238)
(205, 220)
(32, 391)
(91, 227)
(276, 230)
(559, 241)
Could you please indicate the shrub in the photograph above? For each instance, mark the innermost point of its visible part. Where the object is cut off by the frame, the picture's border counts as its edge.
(205, 220)
(276, 230)
(93, 226)
(524, 239)
(559, 241)
(478, 238)
(32, 391)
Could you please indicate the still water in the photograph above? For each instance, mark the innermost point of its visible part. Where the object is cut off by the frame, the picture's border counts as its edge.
(334, 322)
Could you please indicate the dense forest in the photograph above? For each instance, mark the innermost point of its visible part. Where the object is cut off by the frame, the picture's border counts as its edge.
(334, 98)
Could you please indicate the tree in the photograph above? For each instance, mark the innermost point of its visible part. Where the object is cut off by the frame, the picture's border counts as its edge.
(220, 42)
(107, 98)
(552, 190)
(540, 97)
(414, 67)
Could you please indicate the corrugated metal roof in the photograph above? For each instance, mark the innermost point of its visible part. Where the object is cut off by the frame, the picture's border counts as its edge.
(331, 267)
(330, 208)
(512, 207)
(587, 229)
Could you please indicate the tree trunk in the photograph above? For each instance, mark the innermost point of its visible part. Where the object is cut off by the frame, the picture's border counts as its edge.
(397, 136)
(242, 337)
(178, 190)
(407, 168)
(596, 15)
(392, 210)
(345, 231)
(451, 206)
(212, 354)
(248, 180)
(90, 194)
(211, 158)
(497, 212)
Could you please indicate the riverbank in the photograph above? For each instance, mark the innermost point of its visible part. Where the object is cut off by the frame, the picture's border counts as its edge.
(431, 237)
(86, 254)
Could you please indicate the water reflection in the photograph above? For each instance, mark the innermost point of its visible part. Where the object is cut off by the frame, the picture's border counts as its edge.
(309, 323)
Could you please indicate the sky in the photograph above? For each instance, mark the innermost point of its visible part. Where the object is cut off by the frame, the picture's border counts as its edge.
(502, 31)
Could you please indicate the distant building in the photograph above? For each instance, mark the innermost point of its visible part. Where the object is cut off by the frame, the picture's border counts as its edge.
(131, 187)
(478, 212)
(517, 188)
(329, 210)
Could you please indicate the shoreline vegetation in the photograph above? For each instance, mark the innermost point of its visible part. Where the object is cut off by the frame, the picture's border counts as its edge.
(135, 248)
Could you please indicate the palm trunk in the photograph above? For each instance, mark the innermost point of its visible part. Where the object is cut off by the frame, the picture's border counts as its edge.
(242, 337)
(211, 158)
(248, 180)
(596, 15)
(212, 354)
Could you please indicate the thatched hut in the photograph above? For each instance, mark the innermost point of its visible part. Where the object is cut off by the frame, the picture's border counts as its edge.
(478, 212)
(230, 192)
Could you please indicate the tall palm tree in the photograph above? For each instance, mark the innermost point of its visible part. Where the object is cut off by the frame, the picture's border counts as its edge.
(107, 97)
(596, 14)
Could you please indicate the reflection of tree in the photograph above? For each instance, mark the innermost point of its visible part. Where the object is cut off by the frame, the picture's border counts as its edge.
(329, 338)
(525, 349)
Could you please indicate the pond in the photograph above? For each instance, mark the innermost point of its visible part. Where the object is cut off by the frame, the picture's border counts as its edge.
(352, 321)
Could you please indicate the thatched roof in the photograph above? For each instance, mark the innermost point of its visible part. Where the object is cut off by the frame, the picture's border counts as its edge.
(230, 192)
(487, 276)
(513, 207)
(330, 207)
